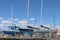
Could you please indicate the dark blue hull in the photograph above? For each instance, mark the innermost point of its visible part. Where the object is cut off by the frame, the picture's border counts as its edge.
(11, 32)
(21, 31)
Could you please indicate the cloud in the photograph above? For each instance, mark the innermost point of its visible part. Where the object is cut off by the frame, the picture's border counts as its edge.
(16, 19)
(3, 27)
(57, 27)
(10, 18)
(32, 19)
(22, 23)
(1, 18)
(6, 22)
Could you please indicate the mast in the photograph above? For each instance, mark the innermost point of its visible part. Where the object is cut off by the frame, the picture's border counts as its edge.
(11, 12)
(28, 13)
(11, 15)
(41, 12)
(54, 20)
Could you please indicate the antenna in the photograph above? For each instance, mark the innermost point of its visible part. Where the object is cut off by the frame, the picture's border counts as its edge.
(41, 12)
(28, 13)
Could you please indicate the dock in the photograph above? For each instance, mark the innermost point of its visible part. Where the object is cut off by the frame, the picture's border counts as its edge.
(22, 39)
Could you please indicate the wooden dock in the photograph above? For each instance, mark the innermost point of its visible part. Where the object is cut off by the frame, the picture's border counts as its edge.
(29, 39)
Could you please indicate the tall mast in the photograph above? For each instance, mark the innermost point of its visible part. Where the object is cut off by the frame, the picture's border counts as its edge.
(54, 20)
(11, 12)
(28, 13)
(41, 12)
(11, 15)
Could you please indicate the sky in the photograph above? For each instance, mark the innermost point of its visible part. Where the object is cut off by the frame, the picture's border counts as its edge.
(50, 8)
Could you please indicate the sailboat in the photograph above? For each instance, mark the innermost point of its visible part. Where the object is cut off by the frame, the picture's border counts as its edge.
(15, 29)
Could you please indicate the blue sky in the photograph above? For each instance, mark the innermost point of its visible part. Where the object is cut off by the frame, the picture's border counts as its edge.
(20, 10)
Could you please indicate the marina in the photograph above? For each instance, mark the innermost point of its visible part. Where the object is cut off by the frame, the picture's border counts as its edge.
(40, 35)
(29, 25)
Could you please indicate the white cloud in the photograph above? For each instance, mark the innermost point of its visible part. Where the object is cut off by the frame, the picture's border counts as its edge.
(57, 27)
(22, 22)
(1, 18)
(6, 22)
(16, 19)
(10, 19)
(32, 19)
(1, 25)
